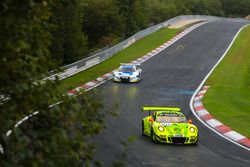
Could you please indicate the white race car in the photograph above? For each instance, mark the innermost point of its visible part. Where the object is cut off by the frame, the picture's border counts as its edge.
(127, 73)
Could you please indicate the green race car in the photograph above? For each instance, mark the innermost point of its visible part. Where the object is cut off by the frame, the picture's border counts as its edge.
(169, 125)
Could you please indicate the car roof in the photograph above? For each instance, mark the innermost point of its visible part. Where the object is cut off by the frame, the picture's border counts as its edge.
(127, 66)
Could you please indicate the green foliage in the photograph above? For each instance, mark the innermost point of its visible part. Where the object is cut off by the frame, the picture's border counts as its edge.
(58, 136)
(69, 43)
(206, 7)
(95, 24)
(160, 10)
(107, 22)
(121, 159)
(101, 20)
(134, 14)
(236, 8)
(38, 35)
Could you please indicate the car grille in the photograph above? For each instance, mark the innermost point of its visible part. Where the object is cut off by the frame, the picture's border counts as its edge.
(178, 139)
(125, 79)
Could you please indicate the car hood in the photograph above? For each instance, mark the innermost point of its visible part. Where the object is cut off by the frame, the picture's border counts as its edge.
(174, 128)
(125, 73)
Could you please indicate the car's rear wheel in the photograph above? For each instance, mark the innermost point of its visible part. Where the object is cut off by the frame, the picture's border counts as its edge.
(196, 143)
(142, 129)
(152, 135)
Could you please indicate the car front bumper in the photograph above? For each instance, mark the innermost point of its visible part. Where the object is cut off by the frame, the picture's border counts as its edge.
(176, 140)
(128, 79)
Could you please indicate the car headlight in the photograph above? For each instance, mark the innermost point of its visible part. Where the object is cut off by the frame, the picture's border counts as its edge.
(160, 128)
(116, 75)
(192, 129)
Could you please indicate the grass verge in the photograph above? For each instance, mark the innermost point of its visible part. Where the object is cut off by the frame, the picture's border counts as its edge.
(136, 50)
(228, 99)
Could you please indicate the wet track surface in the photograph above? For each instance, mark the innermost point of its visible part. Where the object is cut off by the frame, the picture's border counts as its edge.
(170, 79)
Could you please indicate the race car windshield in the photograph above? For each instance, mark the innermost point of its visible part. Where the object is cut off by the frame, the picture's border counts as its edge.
(170, 119)
(127, 69)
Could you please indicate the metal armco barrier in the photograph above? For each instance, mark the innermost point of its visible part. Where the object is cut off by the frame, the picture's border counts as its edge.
(97, 58)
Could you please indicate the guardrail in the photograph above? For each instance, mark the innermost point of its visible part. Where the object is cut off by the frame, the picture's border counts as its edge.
(86, 63)
(97, 58)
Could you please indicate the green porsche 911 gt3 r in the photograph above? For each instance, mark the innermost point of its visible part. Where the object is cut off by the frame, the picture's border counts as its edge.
(169, 125)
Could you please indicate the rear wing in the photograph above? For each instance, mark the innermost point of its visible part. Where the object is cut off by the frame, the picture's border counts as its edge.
(160, 109)
(151, 108)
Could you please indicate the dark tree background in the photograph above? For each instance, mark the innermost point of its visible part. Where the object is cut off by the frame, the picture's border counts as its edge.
(91, 25)
(57, 136)
(83, 26)
(39, 35)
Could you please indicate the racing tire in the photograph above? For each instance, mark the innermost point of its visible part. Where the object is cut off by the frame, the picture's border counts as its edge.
(142, 129)
(196, 143)
(152, 136)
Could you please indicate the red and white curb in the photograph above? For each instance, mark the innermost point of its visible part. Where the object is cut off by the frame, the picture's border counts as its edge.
(239, 140)
(98, 81)
(206, 117)
(102, 79)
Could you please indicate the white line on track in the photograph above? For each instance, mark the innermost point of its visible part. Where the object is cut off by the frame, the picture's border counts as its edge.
(202, 83)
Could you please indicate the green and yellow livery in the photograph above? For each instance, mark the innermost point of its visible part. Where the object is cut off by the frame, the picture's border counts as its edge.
(169, 125)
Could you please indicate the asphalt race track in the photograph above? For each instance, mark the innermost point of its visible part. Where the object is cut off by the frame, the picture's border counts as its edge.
(170, 79)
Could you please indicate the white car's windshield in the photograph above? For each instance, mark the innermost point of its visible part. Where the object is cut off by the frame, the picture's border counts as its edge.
(127, 69)
(170, 119)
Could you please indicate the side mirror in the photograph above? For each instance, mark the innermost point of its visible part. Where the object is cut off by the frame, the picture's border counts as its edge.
(190, 121)
(151, 119)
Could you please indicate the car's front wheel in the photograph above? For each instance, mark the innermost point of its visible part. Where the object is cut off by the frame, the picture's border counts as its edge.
(196, 143)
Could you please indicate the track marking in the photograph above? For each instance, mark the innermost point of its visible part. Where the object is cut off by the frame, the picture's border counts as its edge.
(246, 143)
(106, 77)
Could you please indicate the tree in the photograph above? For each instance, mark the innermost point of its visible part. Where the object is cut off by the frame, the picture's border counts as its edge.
(58, 135)
(236, 8)
(134, 14)
(69, 43)
(38, 35)
(163, 10)
(101, 21)
(206, 7)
